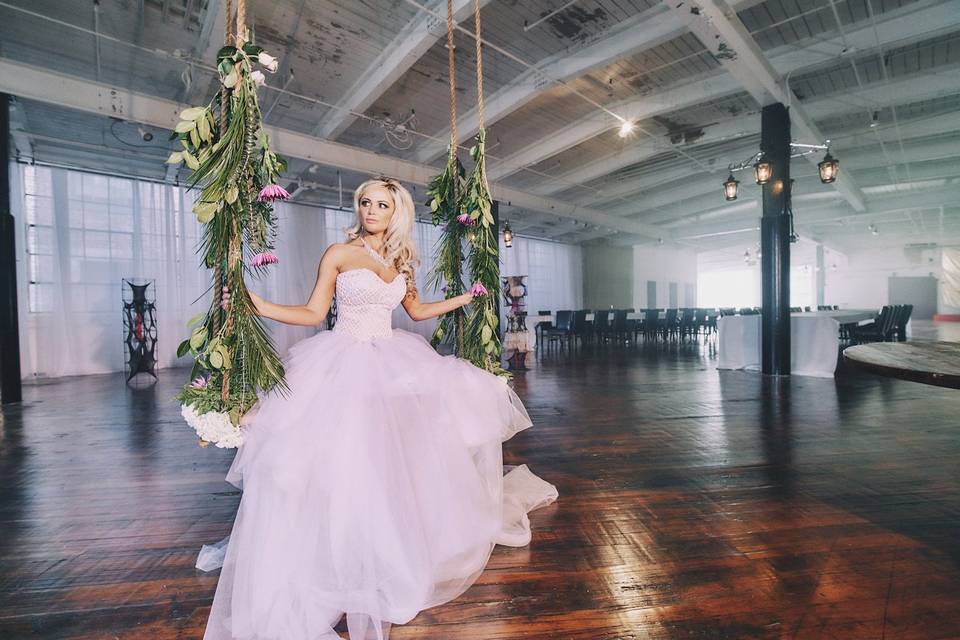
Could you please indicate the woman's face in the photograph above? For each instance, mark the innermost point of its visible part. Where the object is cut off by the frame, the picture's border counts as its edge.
(376, 209)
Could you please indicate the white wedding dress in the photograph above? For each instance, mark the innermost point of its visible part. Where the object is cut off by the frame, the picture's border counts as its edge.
(374, 489)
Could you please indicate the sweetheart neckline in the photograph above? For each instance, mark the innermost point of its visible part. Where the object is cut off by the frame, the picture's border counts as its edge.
(375, 275)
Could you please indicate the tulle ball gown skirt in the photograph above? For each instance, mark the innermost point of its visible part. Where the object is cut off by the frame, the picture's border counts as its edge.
(373, 490)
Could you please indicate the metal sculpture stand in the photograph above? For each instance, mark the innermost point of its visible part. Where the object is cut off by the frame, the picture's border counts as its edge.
(140, 332)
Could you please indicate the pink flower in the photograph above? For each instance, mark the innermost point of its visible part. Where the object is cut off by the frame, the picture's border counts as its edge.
(465, 219)
(272, 192)
(199, 382)
(258, 78)
(263, 259)
(478, 290)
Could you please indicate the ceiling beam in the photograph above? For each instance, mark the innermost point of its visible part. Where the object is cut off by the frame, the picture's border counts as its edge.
(878, 95)
(409, 45)
(719, 28)
(91, 97)
(692, 201)
(853, 157)
(18, 131)
(907, 24)
(743, 215)
(637, 33)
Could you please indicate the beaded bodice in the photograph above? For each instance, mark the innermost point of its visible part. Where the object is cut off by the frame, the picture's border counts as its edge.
(365, 302)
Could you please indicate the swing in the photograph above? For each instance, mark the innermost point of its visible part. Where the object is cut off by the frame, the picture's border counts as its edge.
(464, 207)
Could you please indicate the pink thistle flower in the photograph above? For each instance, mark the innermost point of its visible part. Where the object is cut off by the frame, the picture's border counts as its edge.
(465, 219)
(263, 259)
(478, 290)
(273, 192)
(198, 383)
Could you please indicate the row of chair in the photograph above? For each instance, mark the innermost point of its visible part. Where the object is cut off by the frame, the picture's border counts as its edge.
(889, 325)
(614, 326)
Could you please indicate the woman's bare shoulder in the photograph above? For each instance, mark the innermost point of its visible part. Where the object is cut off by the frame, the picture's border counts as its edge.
(338, 253)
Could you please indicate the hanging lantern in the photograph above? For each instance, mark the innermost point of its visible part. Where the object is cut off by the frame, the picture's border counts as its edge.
(730, 188)
(763, 170)
(829, 167)
(507, 235)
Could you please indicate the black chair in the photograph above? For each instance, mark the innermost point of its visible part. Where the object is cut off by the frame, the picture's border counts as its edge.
(670, 326)
(836, 307)
(727, 311)
(620, 330)
(581, 330)
(601, 324)
(700, 321)
(687, 323)
(651, 323)
(796, 309)
(903, 318)
(541, 327)
(882, 329)
(563, 330)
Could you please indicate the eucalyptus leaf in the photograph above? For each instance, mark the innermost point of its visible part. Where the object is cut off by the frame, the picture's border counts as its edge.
(197, 338)
(195, 137)
(486, 334)
(190, 160)
(185, 126)
(205, 211)
(225, 355)
(197, 318)
(203, 128)
(232, 193)
(216, 359)
(192, 113)
(183, 348)
(176, 157)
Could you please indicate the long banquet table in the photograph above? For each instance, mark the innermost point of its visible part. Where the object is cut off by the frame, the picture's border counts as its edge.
(814, 340)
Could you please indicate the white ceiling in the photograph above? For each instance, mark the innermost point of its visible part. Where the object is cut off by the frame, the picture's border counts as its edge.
(880, 78)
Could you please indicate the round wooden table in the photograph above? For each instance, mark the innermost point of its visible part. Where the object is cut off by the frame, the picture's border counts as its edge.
(936, 363)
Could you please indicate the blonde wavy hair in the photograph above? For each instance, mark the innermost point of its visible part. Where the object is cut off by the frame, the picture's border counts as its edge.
(398, 248)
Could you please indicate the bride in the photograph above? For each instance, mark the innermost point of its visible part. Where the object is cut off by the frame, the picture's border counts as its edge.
(375, 488)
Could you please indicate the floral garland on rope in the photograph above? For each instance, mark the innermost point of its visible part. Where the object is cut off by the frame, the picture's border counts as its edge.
(448, 256)
(236, 172)
(465, 211)
(482, 342)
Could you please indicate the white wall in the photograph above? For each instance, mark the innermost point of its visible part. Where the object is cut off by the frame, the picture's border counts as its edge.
(607, 277)
(862, 281)
(664, 264)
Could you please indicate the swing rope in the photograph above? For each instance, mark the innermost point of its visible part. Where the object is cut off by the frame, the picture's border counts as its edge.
(234, 250)
(451, 74)
(218, 276)
(476, 30)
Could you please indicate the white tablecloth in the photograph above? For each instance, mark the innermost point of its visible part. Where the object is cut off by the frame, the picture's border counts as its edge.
(814, 343)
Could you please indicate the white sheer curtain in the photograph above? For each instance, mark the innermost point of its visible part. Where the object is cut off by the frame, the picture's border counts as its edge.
(554, 273)
(80, 234)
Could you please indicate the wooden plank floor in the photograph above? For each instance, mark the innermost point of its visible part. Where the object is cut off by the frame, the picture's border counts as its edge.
(693, 504)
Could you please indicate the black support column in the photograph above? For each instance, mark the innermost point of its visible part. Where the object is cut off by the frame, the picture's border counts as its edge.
(775, 241)
(9, 326)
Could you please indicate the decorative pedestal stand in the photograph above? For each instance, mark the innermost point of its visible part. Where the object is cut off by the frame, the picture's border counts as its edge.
(140, 332)
(516, 340)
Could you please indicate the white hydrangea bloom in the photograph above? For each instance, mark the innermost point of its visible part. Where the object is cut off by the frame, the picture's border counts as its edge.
(213, 426)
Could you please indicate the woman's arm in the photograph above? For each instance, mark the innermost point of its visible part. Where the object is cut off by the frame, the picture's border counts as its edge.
(315, 310)
(418, 310)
